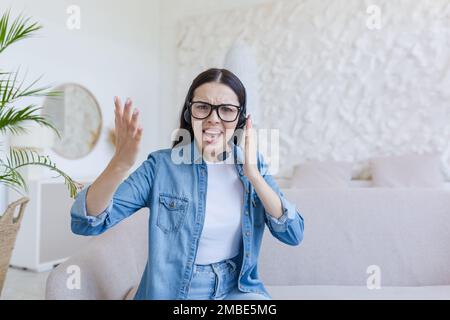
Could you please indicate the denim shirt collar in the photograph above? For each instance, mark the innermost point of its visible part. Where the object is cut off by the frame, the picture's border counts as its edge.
(235, 156)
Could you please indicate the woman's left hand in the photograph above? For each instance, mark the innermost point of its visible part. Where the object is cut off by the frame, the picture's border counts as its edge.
(250, 165)
(269, 198)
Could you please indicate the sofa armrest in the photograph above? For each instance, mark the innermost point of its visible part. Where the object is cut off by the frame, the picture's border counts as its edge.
(107, 268)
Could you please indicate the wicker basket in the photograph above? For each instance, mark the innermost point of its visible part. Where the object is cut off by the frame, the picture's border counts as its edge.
(9, 226)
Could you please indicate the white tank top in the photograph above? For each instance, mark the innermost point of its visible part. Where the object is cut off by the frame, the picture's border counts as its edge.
(221, 235)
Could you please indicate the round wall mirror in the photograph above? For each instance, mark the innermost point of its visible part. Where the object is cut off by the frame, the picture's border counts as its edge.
(77, 115)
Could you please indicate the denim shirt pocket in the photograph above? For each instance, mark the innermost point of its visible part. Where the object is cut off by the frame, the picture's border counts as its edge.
(171, 212)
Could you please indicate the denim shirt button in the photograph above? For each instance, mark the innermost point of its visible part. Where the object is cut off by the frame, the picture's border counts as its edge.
(247, 233)
(247, 254)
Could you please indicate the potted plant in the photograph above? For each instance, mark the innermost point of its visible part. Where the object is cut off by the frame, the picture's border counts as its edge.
(14, 117)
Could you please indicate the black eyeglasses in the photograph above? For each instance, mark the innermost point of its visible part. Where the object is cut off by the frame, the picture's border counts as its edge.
(202, 110)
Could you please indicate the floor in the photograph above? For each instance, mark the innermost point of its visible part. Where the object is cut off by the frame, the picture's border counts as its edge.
(24, 285)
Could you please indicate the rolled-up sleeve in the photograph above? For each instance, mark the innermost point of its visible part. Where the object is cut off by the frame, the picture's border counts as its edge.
(79, 211)
(290, 226)
(131, 195)
(289, 212)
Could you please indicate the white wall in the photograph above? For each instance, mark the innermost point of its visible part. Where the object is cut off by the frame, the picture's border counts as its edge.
(335, 88)
(115, 52)
(175, 12)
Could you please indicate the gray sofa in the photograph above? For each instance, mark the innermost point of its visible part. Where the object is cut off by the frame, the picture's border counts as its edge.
(405, 233)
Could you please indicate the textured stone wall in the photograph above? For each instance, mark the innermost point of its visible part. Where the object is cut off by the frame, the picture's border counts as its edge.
(336, 88)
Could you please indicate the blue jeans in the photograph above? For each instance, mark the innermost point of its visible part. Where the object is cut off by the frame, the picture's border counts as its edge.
(219, 281)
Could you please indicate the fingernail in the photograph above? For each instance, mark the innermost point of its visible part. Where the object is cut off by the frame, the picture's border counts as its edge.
(115, 98)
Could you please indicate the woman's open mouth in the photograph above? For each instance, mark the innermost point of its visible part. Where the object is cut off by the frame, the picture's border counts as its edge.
(212, 135)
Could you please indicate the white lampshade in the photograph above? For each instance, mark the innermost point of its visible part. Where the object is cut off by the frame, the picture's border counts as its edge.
(37, 137)
(241, 60)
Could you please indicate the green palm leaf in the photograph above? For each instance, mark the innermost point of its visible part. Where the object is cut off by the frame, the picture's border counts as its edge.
(19, 29)
(11, 90)
(22, 157)
(13, 120)
(12, 179)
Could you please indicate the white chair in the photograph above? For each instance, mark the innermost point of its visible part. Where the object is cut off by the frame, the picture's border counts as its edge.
(110, 265)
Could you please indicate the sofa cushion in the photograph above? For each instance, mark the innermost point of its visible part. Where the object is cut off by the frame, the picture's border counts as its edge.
(420, 171)
(328, 174)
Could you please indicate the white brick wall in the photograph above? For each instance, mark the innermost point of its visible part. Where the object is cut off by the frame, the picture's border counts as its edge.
(335, 88)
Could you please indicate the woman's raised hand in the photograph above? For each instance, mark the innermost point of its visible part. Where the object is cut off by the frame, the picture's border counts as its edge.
(128, 133)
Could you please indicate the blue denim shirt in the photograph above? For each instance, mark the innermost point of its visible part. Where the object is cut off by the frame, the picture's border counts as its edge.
(176, 194)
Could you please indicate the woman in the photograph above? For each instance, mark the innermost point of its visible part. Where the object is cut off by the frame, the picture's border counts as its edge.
(207, 213)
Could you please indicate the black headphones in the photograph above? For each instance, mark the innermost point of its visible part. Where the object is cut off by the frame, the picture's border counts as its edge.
(240, 124)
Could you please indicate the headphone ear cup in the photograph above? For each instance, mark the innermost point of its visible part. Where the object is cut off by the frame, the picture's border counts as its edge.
(187, 116)
(241, 122)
